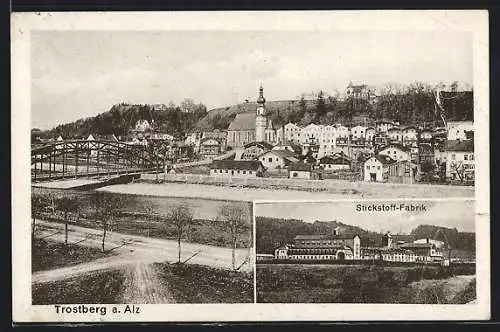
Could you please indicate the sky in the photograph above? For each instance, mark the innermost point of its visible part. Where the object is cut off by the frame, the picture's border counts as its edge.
(77, 74)
(459, 214)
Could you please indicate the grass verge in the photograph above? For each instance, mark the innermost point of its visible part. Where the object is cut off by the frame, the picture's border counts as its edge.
(192, 283)
(103, 287)
(48, 255)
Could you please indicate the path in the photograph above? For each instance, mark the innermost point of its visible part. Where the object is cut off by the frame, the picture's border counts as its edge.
(131, 249)
(142, 286)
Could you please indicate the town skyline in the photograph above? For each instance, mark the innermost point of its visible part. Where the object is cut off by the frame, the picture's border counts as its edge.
(72, 79)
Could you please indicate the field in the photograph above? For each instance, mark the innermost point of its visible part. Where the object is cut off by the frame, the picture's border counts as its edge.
(206, 228)
(295, 283)
(48, 255)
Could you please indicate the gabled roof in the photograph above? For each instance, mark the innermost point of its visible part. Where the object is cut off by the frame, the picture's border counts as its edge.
(417, 245)
(394, 129)
(301, 167)
(263, 145)
(252, 165)
(324, 237)
(335, 160)
(283, 154)
(384, 120)
(397, 146)
(243, 121)
(460, 146)
(385, 160)
(203, 140)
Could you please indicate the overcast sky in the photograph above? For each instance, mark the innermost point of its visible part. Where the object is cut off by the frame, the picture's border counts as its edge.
(459, 214)
(76, 74)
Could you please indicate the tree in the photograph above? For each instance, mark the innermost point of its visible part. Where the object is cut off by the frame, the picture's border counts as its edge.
(149, 210)
(67, 205)
(180, 216)
(107, 207)
(38, 204)
(320, 106)
(236, 218)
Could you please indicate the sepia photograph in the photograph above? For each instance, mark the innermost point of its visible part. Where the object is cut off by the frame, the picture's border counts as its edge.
(240, 158)
(366, 252)
(106, 247)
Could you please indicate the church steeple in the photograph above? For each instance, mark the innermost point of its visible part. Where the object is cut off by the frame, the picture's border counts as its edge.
(261, 100)
(260, 120)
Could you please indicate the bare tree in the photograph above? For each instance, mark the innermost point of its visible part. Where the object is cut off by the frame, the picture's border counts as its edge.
(236, 218)
(67, 205)
(107, 207)
(181, 217)
(149, 211)
(38, 204)
(459, 170)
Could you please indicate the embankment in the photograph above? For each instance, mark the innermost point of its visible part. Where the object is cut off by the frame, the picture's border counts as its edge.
(335, 187)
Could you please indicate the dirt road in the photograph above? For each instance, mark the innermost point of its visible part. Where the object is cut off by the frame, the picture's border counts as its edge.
(143, 286)
(131, 250)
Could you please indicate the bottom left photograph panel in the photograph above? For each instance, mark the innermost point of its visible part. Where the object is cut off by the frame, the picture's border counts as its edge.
(106, 247)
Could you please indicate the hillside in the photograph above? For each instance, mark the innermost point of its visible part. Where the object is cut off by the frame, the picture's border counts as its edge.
(456, 239)
(273, 232)
(172, 119)
(220, 118)
(413, 104)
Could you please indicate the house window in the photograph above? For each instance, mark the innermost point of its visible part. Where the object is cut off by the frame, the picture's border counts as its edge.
(466, 157)
(238, 172)
(270, 160)
(378, 167)
(250, 172)
(471, 157)
(453, 157)
(295, 174)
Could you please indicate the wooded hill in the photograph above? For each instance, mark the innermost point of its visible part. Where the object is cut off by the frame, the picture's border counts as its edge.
(273, 232)
(412, 104)
(171, 119)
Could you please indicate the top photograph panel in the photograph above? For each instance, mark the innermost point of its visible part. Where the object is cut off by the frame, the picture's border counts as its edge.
(254, 115)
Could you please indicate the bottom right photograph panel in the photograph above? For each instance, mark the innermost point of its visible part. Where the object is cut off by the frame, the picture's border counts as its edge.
(398, 251)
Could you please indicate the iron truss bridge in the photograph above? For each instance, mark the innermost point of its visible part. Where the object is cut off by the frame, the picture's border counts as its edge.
(82, 158)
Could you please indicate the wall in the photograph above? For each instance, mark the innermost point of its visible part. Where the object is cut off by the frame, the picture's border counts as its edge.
(333, 167)
(343, 187)
(299, 174)
(374, 166)
(275, 160)
(233, 173)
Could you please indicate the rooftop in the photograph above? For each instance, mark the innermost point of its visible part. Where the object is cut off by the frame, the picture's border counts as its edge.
(243, 121)
(252, 165)
(460, 146)
(324, 237)
(300, 167)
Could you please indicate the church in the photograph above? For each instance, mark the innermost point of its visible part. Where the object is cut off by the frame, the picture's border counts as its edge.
(253, 126)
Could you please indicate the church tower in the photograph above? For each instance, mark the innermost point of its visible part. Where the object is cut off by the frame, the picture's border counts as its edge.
(260, 120)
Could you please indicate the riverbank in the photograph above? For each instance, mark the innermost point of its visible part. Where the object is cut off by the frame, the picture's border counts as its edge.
(301, 187)
(220, 193)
